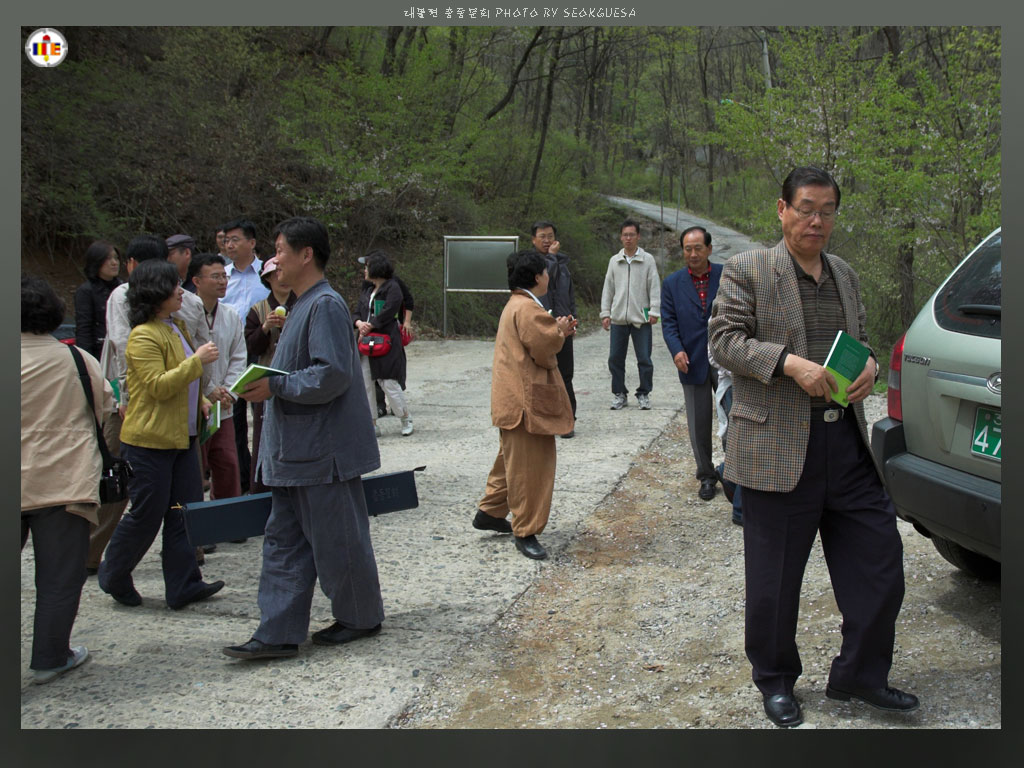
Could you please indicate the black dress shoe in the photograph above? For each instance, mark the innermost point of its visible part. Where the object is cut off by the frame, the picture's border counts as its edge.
(889, 699)
(707, 489)
(208, 549)
(485, 522)
(337, 634)
(132, 599)
(571, 433)
(530, 547)
(783, 710)
(254, 649)
(207, 590)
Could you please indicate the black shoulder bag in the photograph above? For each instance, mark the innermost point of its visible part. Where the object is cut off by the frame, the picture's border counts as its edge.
(114, 478)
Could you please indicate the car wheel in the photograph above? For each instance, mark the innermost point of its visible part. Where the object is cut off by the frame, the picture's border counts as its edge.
(976, 565)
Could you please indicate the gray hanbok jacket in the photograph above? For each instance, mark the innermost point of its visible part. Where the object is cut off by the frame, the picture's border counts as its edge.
(317, 426)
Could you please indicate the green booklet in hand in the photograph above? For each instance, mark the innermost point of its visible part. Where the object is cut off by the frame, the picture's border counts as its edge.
(252, 373)
(211, 424)
(845, 361)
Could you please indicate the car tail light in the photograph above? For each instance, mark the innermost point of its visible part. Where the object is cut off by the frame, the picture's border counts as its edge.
(893, 380)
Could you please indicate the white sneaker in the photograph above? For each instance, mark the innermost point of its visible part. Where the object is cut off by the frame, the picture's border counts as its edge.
(619, 402)
(79, 654)
(407, 426)
(644, 401)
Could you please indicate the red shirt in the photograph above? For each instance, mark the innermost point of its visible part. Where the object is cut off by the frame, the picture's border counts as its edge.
(700, 283)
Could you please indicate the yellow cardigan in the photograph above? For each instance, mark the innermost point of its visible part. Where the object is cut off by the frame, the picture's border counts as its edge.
(158, 382)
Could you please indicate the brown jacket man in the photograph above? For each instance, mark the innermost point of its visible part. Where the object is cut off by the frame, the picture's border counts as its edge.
(802, 460)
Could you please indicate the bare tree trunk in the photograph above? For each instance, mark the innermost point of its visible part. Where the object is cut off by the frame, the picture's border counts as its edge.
(545, 118)
(514, 80)
(387, 66)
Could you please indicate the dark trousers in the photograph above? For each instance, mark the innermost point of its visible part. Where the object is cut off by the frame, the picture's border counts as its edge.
(700, 402)
(621, 334)
(241, 423)
(164, 481)
(60, 541)
(317, 531)
(839, 496)
(566, 366)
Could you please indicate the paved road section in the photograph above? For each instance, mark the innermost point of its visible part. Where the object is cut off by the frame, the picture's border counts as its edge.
(725, 242)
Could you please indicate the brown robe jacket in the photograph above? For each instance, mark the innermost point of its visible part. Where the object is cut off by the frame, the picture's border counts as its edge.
(526, 386)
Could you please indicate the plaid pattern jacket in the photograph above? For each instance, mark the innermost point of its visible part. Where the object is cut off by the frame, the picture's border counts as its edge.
(756, 315)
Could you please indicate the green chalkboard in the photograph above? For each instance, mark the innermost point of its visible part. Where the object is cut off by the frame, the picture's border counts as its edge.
(478, 263)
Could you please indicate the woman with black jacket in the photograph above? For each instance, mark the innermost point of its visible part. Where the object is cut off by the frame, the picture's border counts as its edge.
(102, 263)
(379, 304)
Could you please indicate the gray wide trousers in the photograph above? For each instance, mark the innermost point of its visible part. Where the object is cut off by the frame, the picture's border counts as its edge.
(317, 531)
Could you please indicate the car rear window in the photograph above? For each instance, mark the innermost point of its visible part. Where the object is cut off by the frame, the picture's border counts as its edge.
(971, 302)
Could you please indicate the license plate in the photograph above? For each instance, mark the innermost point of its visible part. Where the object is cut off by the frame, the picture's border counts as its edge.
(988, 434)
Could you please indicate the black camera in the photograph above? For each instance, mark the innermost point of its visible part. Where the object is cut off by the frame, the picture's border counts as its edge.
(114, 481)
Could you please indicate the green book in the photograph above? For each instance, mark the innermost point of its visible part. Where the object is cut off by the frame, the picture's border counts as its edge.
(252, 373)
(210, 424)
(845, 361)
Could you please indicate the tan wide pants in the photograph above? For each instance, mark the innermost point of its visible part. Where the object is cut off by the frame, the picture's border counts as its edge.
(522, 480)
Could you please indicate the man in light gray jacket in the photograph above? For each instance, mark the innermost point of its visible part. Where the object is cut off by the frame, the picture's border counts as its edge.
(630, 305)
(317, 440)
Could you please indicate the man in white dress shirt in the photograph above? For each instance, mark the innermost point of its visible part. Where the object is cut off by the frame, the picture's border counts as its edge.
(244, 289)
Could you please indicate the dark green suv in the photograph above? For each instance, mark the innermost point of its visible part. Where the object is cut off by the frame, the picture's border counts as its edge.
(941, 446)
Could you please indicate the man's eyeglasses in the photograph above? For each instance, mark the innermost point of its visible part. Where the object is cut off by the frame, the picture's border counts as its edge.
(806, 213)
(235, 240)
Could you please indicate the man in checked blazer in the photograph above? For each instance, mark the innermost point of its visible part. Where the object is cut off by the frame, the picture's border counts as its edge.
(804, 462)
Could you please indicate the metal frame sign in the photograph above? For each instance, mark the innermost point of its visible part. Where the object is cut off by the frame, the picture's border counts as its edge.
(476, 264)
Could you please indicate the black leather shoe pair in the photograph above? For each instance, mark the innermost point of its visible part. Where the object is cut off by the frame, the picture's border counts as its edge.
(254, 649)
(338, 634)
(485, 522)
(889, 699)
(707, 489)
(783, 710)
(207, 590)
(530, 547)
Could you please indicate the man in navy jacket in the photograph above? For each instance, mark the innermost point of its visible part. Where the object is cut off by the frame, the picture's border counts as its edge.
(686, 298)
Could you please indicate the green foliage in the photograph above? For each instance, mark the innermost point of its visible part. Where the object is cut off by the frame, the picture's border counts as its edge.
(396, 136)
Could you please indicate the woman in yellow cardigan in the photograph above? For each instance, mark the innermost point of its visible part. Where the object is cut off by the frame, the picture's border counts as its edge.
(159, 439)
(529, 405)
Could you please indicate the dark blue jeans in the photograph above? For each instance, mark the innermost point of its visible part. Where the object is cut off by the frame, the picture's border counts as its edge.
(621, 334)
(164, 481)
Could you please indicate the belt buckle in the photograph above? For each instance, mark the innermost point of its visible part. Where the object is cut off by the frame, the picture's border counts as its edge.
(833, 414)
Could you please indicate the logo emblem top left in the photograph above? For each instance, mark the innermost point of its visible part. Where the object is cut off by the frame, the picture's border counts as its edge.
(46, 47)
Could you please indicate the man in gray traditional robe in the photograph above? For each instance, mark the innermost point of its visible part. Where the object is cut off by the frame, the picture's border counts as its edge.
(317, 440)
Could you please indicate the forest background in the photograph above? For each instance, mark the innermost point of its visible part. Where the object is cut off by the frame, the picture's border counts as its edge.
(397, 136)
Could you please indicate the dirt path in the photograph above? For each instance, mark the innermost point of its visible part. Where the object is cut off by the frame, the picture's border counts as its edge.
(639, 624)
